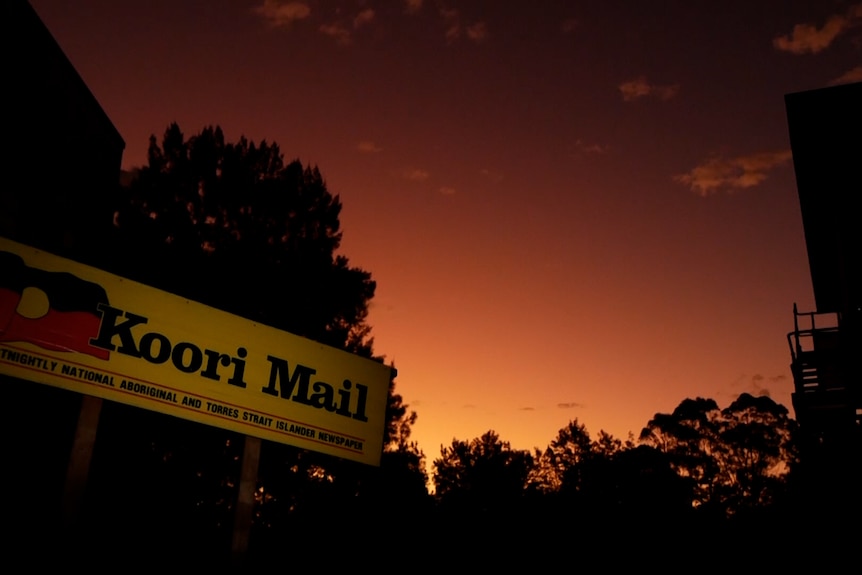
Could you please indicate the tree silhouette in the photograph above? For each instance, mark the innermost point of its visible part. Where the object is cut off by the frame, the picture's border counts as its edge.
(737, 458)
(481, 475)
(233, 226)
(561, 462)
(689, 436)
(760, 452)
(605, 479)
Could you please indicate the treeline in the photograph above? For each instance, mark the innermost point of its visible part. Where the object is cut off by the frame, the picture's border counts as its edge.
(697, 462)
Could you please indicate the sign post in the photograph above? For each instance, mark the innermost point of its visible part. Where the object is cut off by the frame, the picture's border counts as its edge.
(245, 498)
(79, 460)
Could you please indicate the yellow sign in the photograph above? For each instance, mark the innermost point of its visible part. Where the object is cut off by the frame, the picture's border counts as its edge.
(83, 329)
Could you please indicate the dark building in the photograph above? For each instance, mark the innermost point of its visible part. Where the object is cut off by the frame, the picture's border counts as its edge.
(61, 169)
(826, 344)
(62, 156)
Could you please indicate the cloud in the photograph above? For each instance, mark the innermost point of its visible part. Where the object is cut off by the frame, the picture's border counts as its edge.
(447, 191)
(363, 18)
(413, 6)
(593, 148)
(337, 32)
(640, 88)
(478, 32)
(568, 26)
(341, 33)
(453, 23)
(848, 77)
(449, 13)
(728, 174)
(526, 409)
(809, 39)
(570, 405)
(416, 175)
(491, 175)
(368, 147)
(281, 13)
(757, 384)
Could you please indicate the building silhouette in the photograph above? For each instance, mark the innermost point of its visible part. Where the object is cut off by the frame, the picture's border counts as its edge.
(61, 164)
(825, 129)
(63, 154)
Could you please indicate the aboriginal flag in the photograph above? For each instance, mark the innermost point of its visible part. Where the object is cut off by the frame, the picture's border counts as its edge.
(66, 323)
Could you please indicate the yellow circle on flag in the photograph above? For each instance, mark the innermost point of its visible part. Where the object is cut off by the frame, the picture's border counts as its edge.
(34, 303)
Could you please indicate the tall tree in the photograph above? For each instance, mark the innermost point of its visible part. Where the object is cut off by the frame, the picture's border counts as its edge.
(690, 436)
(761, 450)
(736, 458)
(483, 474)
(562, 461)
(246, 233)
(233, 226)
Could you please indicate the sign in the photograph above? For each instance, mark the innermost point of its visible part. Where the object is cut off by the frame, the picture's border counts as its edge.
(76, 327)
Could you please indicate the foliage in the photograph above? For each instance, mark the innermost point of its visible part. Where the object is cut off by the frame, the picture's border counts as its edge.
(735, 458)
(403, 461)
(572, 460)
(761, 451)
(482, 474)
(561, 461)
(689, 436)
(233, 226)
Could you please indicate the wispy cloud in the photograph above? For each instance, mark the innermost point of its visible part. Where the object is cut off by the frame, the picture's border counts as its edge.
(342, 33)
(491, 175)
(453, 23)
(447, 190)
(809, 39)
(728, 174)
(337, 32)
(450, 14)
(641, 88)
(453, 33)
(416, 174)
(591, 148)
(756, 385)
(570, 405)
(526, 409)
(282, 13)
(476, 32)
(412, 6)
(368, 147)
(757, 380)
(848, 77)
(363, 18)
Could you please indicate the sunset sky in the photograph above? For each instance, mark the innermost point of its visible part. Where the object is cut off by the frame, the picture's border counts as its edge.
(572, 209)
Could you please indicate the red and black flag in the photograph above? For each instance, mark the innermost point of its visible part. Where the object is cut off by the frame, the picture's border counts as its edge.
(68, 321)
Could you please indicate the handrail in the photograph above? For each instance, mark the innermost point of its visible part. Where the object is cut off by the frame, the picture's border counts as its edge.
(800, 334)
(797, 334)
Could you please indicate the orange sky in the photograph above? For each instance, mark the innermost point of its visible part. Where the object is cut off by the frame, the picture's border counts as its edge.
(571, 211)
